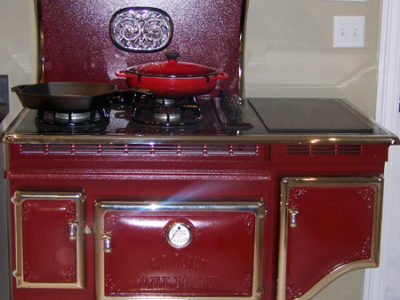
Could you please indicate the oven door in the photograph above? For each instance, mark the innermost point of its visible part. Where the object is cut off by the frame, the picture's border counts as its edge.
(196, 249)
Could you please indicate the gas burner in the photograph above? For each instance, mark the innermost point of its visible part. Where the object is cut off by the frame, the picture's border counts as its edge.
(166, 112)
(71, 121)
(74, 118)
(165, 101)
(167, 117)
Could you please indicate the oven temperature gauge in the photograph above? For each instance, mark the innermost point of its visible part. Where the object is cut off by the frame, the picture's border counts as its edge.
(179, 235)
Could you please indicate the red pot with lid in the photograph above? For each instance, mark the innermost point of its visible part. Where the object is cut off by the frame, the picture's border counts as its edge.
(173, 79)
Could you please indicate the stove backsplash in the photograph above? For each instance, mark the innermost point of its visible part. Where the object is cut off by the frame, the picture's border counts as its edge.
(79, 45)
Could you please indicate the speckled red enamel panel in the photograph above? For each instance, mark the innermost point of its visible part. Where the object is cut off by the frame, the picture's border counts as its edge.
(218, 261)
(335, 227)
(44, 261)
(78, 47)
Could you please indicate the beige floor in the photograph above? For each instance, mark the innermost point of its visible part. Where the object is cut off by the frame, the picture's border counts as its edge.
(347, 287)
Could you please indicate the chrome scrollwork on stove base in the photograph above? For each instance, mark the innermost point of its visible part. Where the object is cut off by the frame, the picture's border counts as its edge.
(141, 29)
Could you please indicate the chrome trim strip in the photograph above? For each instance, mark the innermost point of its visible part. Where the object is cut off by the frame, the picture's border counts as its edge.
(256, 207)
(288, 182)
(241, 57)
(17, 199)
(14, 138)
(283, 233)
(253, 207)
(40, 37)
(22, 195)
(180, 175)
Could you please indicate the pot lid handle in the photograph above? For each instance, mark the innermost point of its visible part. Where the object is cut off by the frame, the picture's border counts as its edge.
(172, 55)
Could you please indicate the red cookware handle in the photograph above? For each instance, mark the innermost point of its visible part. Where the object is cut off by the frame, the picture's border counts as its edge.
(221, 75)
(124, 74)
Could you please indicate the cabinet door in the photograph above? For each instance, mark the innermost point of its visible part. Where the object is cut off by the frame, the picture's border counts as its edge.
(48, 240)
(179, 250)
(328, 226)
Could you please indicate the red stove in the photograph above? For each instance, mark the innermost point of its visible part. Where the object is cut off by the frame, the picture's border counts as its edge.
(134, 193)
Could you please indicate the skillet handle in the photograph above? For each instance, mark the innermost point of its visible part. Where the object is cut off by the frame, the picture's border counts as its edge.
(130, 90)
(221, 75)
(18, 89)
(126, 95)
(146, 92)
(125, 74)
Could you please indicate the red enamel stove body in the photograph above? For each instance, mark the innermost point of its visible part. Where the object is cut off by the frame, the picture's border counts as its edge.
(138, 221)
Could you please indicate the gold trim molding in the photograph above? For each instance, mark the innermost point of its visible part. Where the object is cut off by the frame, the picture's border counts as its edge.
(257, 208)
(286, 184)
(18, 198)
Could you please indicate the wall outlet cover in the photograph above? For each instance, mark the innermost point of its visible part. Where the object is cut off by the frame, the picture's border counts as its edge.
(349, 32)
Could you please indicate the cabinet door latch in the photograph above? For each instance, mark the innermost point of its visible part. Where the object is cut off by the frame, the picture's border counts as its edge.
(293, 213)
(106, 237)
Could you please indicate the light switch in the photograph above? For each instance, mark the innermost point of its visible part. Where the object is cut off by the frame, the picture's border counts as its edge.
(349, 31)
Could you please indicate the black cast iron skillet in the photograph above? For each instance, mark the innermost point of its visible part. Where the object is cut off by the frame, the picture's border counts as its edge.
(68, 96)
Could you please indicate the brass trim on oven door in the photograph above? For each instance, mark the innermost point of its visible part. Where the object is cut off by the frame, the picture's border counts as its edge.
(255, 207)
(286, 221)
(75, 233)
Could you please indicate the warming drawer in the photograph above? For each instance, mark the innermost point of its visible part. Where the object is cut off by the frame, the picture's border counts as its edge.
(197, 249)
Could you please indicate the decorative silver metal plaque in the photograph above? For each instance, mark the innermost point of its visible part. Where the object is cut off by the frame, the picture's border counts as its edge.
(141, 29)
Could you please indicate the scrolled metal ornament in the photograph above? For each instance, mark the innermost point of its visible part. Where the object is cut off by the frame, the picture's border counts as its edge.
(141, 29)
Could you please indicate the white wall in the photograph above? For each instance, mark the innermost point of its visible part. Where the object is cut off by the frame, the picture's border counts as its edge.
(289, 51)
(18, 56)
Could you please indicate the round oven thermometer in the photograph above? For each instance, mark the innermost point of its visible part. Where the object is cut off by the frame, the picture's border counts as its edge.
(179, 235)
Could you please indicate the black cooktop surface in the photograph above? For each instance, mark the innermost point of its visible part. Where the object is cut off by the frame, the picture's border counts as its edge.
(310, 116)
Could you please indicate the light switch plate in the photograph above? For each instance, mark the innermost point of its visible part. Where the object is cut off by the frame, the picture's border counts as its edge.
(349, 31)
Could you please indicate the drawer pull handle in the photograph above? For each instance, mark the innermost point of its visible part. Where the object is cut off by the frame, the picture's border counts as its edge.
(73, 230)
(106, 242)
(293, 217)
